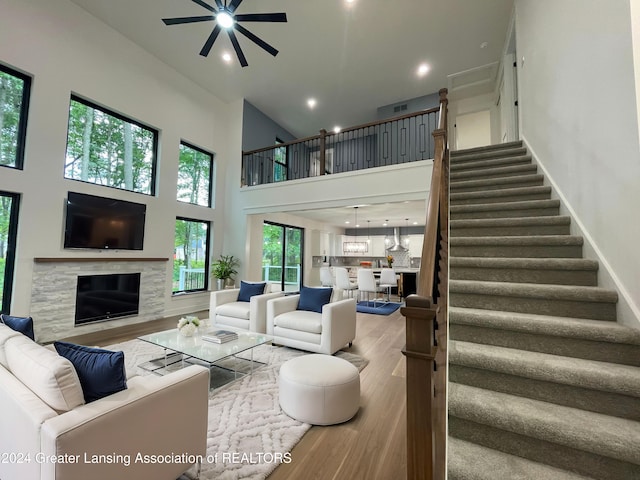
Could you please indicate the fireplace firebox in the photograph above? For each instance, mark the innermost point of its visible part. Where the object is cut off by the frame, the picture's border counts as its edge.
(105, 297)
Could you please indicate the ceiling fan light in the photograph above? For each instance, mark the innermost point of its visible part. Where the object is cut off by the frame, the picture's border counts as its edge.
(224, 19)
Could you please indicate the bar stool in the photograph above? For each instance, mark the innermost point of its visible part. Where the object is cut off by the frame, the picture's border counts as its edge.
(388, 280)
(343, 282)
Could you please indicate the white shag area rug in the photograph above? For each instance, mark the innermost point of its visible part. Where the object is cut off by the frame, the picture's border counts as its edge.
(248, 434)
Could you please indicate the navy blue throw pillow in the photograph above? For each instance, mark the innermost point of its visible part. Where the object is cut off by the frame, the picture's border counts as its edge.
(101, 372)
(248, 290)
(312, 299)
(23, 325)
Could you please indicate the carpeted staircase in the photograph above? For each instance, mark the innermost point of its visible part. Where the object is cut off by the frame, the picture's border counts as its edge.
(543, 383)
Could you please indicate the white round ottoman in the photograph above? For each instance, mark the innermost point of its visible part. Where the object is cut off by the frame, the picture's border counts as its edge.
(319, 389)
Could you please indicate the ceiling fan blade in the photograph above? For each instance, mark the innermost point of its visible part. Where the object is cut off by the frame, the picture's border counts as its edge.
(180, 20)
(262, 17)
(206, 48)
(205, 5)
(219, 4)
(256, 40)
(236, 46)
(233, 5)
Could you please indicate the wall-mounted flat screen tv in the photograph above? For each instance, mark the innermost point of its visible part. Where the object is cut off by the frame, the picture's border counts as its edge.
(103, 223)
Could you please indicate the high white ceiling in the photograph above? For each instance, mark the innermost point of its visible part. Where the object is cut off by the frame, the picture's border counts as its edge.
(351, 57)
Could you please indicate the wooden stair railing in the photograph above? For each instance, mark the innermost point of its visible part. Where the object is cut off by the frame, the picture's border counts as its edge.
(426, 327)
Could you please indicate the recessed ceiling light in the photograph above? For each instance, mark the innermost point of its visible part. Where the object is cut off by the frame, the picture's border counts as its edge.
(312, 102)
(347, 221)
(415, 223)
(423, 69)
(226, 57)
(224, 19)
(484, 44)
(336, 129)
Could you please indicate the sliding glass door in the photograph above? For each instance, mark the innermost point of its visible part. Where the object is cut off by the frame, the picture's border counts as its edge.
(8, 227)
(282, 252)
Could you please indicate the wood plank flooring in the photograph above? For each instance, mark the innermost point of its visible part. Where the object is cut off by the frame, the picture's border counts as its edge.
(370, 446)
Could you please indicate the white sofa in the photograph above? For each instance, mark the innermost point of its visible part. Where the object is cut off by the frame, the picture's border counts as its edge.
(49, 433)
(325, 332)
(226, 312)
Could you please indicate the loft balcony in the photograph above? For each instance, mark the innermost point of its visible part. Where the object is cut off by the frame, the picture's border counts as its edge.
(403, 139)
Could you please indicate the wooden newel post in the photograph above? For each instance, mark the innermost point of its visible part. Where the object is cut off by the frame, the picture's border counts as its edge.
(323, 144)
(420, 353)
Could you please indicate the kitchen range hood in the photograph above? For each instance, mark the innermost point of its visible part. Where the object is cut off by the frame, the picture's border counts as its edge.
(397, 246)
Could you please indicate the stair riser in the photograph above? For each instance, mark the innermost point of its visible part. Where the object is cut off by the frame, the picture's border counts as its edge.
(561, 394)
(623, 354)
(486, 174)
(587, 278)
(522, 251)
(491, 163)
(460, 188)
(531, 212)
(560, 456)
(513, 198)
(509, 231)
(540, 306)
(487, 155)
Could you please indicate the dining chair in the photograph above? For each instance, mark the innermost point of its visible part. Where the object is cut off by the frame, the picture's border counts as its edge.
(388, 280)
(326, 279)
(367, 283)
(343, 282)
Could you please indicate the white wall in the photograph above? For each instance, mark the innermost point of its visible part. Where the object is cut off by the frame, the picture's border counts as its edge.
(67, 50)
(578, 115)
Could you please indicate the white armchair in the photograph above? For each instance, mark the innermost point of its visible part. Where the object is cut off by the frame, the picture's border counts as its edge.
(325, 332)
(226, 312)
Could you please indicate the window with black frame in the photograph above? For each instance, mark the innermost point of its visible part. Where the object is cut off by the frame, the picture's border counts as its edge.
(8, 229)
(191, 255)
(14, 107)
(106, 148)
(195, 170)
(279, 162)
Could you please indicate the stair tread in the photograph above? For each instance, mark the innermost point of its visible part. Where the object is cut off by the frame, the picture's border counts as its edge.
(523, 205)
(491, 162)
(577, 372)
(517, 144)
(535, 290)
(505, 192)
(589, 431)
(519, 240)
(510, 222)
(594, 330)
(534, 177)
(470, 461)
(572, 264)
(492, 172)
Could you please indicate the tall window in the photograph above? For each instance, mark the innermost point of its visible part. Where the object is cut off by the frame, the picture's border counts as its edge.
(279, 162)
(8, 227)
(14, 105)
(194, 175)
(108, 149)
(282, 251)
(191, 256)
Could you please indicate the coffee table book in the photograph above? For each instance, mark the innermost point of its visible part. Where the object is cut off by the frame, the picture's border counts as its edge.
(220, 336)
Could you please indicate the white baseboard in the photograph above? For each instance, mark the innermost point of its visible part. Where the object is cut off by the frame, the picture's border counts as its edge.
(628, 311)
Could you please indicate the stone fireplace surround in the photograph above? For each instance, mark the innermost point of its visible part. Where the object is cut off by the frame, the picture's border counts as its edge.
(53, 293)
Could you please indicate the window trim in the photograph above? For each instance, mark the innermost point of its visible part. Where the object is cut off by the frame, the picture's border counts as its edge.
(12, 241)
(213, 156)
(119, 116)
(207, 269)
(24, 114)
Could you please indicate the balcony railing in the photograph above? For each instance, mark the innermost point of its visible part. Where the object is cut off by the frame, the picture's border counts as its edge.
(408, 138)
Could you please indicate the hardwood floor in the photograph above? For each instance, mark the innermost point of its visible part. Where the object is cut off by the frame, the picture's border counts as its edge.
(372, 445)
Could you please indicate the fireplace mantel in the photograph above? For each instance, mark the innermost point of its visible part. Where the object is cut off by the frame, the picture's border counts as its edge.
(98, 259)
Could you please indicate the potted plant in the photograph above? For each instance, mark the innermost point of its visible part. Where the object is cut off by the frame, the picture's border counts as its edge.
(223, 269)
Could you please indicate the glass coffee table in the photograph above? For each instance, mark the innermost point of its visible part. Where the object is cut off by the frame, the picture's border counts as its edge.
(221, 358)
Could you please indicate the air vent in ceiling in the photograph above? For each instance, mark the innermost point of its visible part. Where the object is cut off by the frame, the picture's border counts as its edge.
(399, 108)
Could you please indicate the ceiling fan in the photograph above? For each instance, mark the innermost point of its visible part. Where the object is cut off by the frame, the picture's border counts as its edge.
(226, 19)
